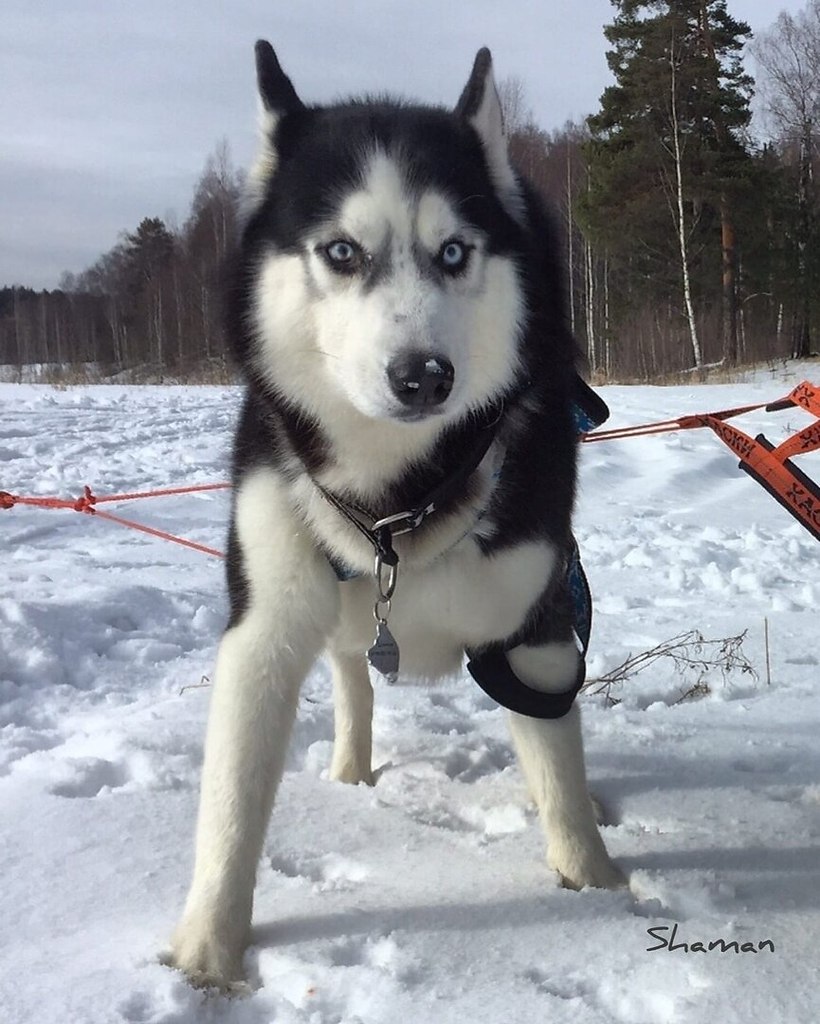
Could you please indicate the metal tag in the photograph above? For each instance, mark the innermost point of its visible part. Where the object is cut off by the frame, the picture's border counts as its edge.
(384, 654)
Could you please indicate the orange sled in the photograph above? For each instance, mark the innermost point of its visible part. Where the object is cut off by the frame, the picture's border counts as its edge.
(771, 466)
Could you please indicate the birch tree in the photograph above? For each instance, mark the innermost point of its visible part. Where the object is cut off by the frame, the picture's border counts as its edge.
(680, 205)
(788, 56)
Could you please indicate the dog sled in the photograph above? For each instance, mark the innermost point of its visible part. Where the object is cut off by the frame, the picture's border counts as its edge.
(772, 466)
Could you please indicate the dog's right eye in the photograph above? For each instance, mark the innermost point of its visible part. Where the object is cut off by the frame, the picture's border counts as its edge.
(342, 255)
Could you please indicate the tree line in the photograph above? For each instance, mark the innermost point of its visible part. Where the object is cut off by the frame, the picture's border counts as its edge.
(150, 306)
(688, 241)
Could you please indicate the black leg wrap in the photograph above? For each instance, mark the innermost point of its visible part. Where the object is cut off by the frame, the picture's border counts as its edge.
(491, 670)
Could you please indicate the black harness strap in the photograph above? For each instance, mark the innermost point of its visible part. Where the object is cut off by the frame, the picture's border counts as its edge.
(490, 667)
(381, 538)
(491, 670)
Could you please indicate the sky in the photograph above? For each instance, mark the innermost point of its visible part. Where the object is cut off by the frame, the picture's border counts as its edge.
(109, 109)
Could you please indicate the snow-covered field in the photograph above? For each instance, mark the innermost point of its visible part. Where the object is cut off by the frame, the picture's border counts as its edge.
(425, 898)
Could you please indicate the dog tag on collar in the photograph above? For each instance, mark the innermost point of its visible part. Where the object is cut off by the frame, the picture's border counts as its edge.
(384, 654)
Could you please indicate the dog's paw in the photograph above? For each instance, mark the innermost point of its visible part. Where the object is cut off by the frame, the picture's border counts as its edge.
(580, 869)
(352, 774)
(603, 876)
(208, 961)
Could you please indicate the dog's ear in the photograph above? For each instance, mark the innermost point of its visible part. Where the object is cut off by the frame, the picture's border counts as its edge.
(480, 106)
(275, 88)
(277, 99)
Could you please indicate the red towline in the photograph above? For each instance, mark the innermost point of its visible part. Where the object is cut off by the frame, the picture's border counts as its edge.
(771, 466)
(88, 503)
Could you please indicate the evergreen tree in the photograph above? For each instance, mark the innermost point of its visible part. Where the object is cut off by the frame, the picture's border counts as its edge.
(667, 161)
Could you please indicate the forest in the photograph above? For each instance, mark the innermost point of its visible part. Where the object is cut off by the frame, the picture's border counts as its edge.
(691, 233)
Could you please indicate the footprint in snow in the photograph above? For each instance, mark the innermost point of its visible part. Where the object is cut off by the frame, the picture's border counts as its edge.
(90, 777)
(137, 1008)
(470, 763)
(176, 1003)
(331, 871)
(380, 953)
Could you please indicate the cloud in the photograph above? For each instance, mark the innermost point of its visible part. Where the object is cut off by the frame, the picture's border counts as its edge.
(109, 110)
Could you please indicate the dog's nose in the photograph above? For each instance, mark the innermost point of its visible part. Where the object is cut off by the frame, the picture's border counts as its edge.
(419, 380)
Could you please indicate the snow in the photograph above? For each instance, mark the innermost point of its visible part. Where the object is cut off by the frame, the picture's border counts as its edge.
(426, 897)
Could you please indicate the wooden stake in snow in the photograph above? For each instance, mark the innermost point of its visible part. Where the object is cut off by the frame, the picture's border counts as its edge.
(768, 662)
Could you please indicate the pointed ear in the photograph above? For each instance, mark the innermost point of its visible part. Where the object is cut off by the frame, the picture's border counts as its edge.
(277, 98)
(275, 88)
(480, 107)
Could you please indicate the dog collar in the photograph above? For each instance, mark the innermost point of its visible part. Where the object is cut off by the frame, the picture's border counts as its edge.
(383, 655)
(380, 532)
(588, 411)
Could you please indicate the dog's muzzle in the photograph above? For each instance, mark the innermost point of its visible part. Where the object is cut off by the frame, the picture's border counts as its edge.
(421, 381)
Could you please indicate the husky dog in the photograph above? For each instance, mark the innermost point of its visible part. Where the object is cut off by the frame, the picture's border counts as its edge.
(398, 314)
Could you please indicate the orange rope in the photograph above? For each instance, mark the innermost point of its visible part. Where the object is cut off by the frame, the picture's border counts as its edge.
(88, 501)
(768, 464)
(163, 493)
(667, 426)
(805, 395)
(162, 534)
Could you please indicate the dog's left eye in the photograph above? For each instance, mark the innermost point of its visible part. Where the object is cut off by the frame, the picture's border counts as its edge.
(343, 255)
(453, 255)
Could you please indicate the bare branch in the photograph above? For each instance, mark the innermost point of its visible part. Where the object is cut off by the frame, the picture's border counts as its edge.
(693, 656)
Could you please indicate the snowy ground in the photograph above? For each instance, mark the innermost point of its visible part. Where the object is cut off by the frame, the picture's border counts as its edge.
(425, 898)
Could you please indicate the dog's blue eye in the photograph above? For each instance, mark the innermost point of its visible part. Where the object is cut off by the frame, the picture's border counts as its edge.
(453, 255)
(341, 253)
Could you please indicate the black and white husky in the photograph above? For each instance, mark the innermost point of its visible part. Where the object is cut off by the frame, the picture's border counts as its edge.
(398, 315)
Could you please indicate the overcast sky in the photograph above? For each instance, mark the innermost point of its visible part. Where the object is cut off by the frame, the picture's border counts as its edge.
(108, 109)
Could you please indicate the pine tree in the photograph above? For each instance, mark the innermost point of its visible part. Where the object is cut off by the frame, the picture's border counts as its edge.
(148, 253)
(667, 158)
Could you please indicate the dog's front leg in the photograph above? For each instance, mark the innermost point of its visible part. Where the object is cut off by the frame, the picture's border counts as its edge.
(552, 759)
(353, 714)
(283, 612)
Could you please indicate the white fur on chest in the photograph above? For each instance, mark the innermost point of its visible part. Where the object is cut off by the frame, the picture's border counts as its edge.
(462, 599)
(448, 597)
